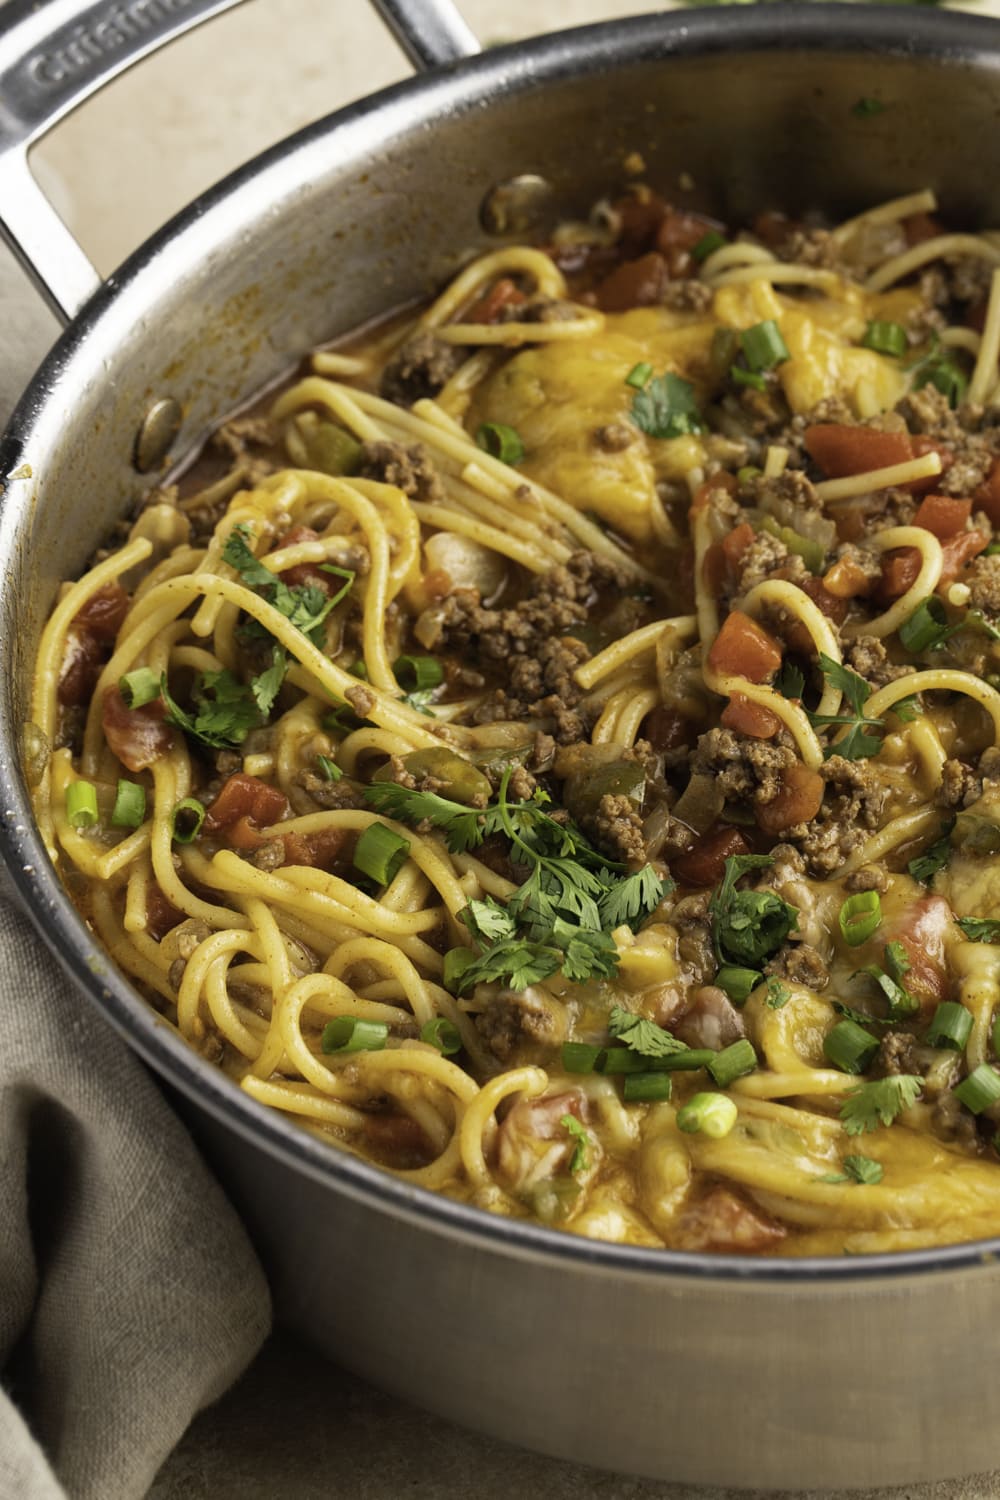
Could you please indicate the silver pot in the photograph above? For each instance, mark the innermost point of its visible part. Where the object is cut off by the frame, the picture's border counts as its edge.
(735, 1371)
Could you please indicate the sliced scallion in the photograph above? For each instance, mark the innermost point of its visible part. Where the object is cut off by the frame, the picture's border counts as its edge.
(647, 1088)
(348, 1034)
(580, 1057)
(186, 821)
(737, 983)
(850, 1047)
(81, 804)
(639, 375)
(886, 338)
(418, 673)
(139, 687)
(733, 1062)
(380, 853)
(359, 669)
(763, 346)
(749, 378)
(980, 1089)
(860, 917)
(950, 1027)
(707, 245)
(712, 1114)
(130, 805)
(442, 1034)
(500, 442)
(328, 768)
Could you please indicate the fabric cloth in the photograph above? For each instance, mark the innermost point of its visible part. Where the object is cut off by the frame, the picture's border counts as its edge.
(130, 1296)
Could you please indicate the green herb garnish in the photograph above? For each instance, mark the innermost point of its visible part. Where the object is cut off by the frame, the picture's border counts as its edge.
(666, 408)
(874, 1104)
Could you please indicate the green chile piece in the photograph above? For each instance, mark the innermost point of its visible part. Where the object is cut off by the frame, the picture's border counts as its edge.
(331, 449)
(461, 781)
(618, 778)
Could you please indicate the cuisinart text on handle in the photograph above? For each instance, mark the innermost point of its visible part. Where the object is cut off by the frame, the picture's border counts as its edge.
(86, 44)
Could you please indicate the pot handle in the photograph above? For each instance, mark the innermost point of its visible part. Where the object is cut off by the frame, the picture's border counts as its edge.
(52, 58)
(430, 32)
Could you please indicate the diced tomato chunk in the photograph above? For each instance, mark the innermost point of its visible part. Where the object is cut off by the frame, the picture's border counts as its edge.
(713, 569)
(798, 800)
(103, 613)
(795, 633)
(987, 497)
(721, 481)
(847, 580)
(245, 804)
(666, 729)
(677, 236)
(705, 863)
(900, 569)
(735, 544)
(942, 515)
(921, 227)
(747, 717)
(744, 648)
(138, 736)
(635, 283)
(81, 667)
(488, 308)
(842, 450)
(318, 850)
(959, 550)
(724, 1222)
(161, 914)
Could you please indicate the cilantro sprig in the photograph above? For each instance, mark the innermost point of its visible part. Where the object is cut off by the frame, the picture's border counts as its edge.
(642, 1036)
(666, 407)
(561, 918)
(873, 1104)
(980, 929)
(859, 742)
(225, 710)
(748, 926)
(857, 1169)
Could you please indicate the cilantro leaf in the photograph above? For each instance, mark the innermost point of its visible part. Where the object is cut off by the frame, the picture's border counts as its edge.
(858, 743)
(464, 827)
(873, 1104)
(585, 953)
(226, 710)
(980, 929)
(906, 709)
(305, 606)
(630, 900)
(854, 688)
(901, 1002)
(748, 926)
(579, 1161)
(266, 687)
(896, 960)
(860, 1169)
(488, 920)
(778, 994)
(642, 1036)
(934, 858)
(519, 963)
(666, 407)
(861, 1016)
(790, 681)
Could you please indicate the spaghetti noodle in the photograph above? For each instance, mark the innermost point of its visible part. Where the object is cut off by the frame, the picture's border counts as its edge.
(557, 759)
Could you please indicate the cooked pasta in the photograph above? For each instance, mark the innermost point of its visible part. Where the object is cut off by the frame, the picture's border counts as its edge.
(552, 750)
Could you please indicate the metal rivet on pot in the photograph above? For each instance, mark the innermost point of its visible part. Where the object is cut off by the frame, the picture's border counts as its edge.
(515, 205)
(159, 427)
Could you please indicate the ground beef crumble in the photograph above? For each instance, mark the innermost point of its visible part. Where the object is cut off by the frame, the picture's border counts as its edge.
(851, 809)
(407, 466)
(799, 963)
(421, 368)
(868, 657)
(747, 770)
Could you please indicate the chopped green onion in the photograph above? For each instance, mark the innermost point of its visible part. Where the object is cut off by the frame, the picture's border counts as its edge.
(380, 853)
(707, 245)
(328, 768)
(81, 804)
(926, 628)
(359, 669)
(130, 805)
(418, 673)
(348, 1034)
(850, 1047)
(747, 377)
(187, 819)
(732, 1063)
(579, 1057)
(647, 1088)
(639, 375)
(684, 1062)
(456, 961)
(442, 1034)
(865, 108)
(980, 1089)
(624, 1060)
(500, 442)
(763, 345)
(712, 1114)
(737, 983)
(947, 378)
(886, 338)
(901, 1002)
(950, 1027)
(924, 867)
(812, 552)
(860, 917)
(139, 687)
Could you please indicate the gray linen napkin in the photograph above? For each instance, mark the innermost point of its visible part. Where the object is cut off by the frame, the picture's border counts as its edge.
(129, 1294)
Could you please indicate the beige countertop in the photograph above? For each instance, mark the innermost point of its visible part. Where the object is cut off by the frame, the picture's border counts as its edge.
(296, 1427)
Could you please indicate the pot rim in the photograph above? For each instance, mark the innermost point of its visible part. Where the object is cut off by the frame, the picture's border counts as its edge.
(950, 38)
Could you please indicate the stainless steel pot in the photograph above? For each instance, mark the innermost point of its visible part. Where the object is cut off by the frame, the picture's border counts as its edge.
(734, 1371)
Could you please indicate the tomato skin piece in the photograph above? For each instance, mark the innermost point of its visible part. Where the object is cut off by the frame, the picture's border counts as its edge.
(705, 863)
(666, 729)
(842, 450)
(987, 497)
(921, 227)
(677, 236)
(161, 914)
(942, 515)
(103, 613)
(747, 717)
(745, 649)
(138, 736)
(243, 805)
(795, 633)
(958, 551)
(799, 799)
